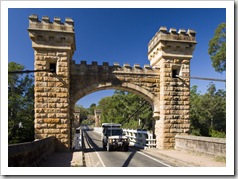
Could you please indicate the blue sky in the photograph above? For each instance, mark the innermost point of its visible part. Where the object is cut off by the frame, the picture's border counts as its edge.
(120, 35)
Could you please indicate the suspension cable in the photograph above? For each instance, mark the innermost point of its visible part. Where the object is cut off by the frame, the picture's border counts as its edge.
(201, 78)
(30, 71)
(134, 112)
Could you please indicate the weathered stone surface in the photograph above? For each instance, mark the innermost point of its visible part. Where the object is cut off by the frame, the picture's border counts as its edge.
(56, 93)
(35, 152)
(207, 145)
(52, 120)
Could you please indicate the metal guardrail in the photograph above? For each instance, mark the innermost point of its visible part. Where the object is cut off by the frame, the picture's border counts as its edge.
(138, 138)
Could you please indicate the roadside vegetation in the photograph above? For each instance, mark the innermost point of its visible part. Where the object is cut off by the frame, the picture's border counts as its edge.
(20, 106)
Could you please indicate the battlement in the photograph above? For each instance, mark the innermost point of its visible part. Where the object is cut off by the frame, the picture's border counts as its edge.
(56, 25)
(172, 35)
(116, 68)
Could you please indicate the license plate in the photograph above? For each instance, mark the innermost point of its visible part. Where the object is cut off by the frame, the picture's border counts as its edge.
(119, 143)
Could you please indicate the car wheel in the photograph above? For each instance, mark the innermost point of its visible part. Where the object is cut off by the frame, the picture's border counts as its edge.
(126, 148)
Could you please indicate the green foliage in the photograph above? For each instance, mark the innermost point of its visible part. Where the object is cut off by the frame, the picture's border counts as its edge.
(220, 159)
(217, 48)
(126, 108)
(208, 112)
(214, 133)
(20, 106)
(91, 109)
(87, 122)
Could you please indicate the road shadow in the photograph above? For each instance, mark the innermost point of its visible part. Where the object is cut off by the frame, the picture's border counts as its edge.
(128, 160)
(91, 145)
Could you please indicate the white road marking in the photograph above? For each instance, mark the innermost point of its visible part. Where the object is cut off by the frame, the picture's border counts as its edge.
(100, 159)
(136, 151)
(152, 158)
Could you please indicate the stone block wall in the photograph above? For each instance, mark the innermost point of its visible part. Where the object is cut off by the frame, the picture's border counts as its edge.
(205, 145)
(52, 97)
(174, 103)
(31, 153)
(88, 78)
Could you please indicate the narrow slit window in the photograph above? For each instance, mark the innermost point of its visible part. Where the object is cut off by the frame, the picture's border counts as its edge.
(53, 67)
(175, 71)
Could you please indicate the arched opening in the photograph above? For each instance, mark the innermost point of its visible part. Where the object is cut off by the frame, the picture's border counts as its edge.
(143, 93)
(133, 115)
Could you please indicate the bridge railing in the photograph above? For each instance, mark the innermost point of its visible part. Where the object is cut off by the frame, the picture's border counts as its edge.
(138, 138)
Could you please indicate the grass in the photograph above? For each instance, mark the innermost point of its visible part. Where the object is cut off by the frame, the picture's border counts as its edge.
(220, 159)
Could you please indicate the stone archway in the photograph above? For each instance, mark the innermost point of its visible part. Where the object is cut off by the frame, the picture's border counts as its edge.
(169, 53)
(141, 92)
(125, 87)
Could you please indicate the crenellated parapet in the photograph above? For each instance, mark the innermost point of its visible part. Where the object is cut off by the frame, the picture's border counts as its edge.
(52, 35)
(171, 44)
(46, 24)
(116, 68)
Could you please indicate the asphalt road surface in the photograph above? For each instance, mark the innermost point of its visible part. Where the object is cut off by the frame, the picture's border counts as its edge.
(96, 156)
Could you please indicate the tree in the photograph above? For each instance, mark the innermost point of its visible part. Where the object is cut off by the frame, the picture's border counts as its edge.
(92, 108)
(208, 112)
(217, 48)
(127, 109)
(20, 106)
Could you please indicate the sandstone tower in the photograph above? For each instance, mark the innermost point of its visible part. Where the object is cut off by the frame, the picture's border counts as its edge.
(54, 45)
(171, 51)
(97, 116)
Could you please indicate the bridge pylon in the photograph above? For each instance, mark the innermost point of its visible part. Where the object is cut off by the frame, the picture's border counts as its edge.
(54, 45)
(171, 52)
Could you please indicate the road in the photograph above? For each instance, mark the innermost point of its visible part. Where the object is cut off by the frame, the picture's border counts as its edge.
(96, 156)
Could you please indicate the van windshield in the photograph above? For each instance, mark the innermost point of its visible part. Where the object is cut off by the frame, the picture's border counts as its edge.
(114, 132)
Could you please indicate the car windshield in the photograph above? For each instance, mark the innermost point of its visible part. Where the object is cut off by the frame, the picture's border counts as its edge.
(114, 132)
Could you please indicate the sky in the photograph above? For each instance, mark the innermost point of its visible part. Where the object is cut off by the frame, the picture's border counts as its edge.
(120, 35)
